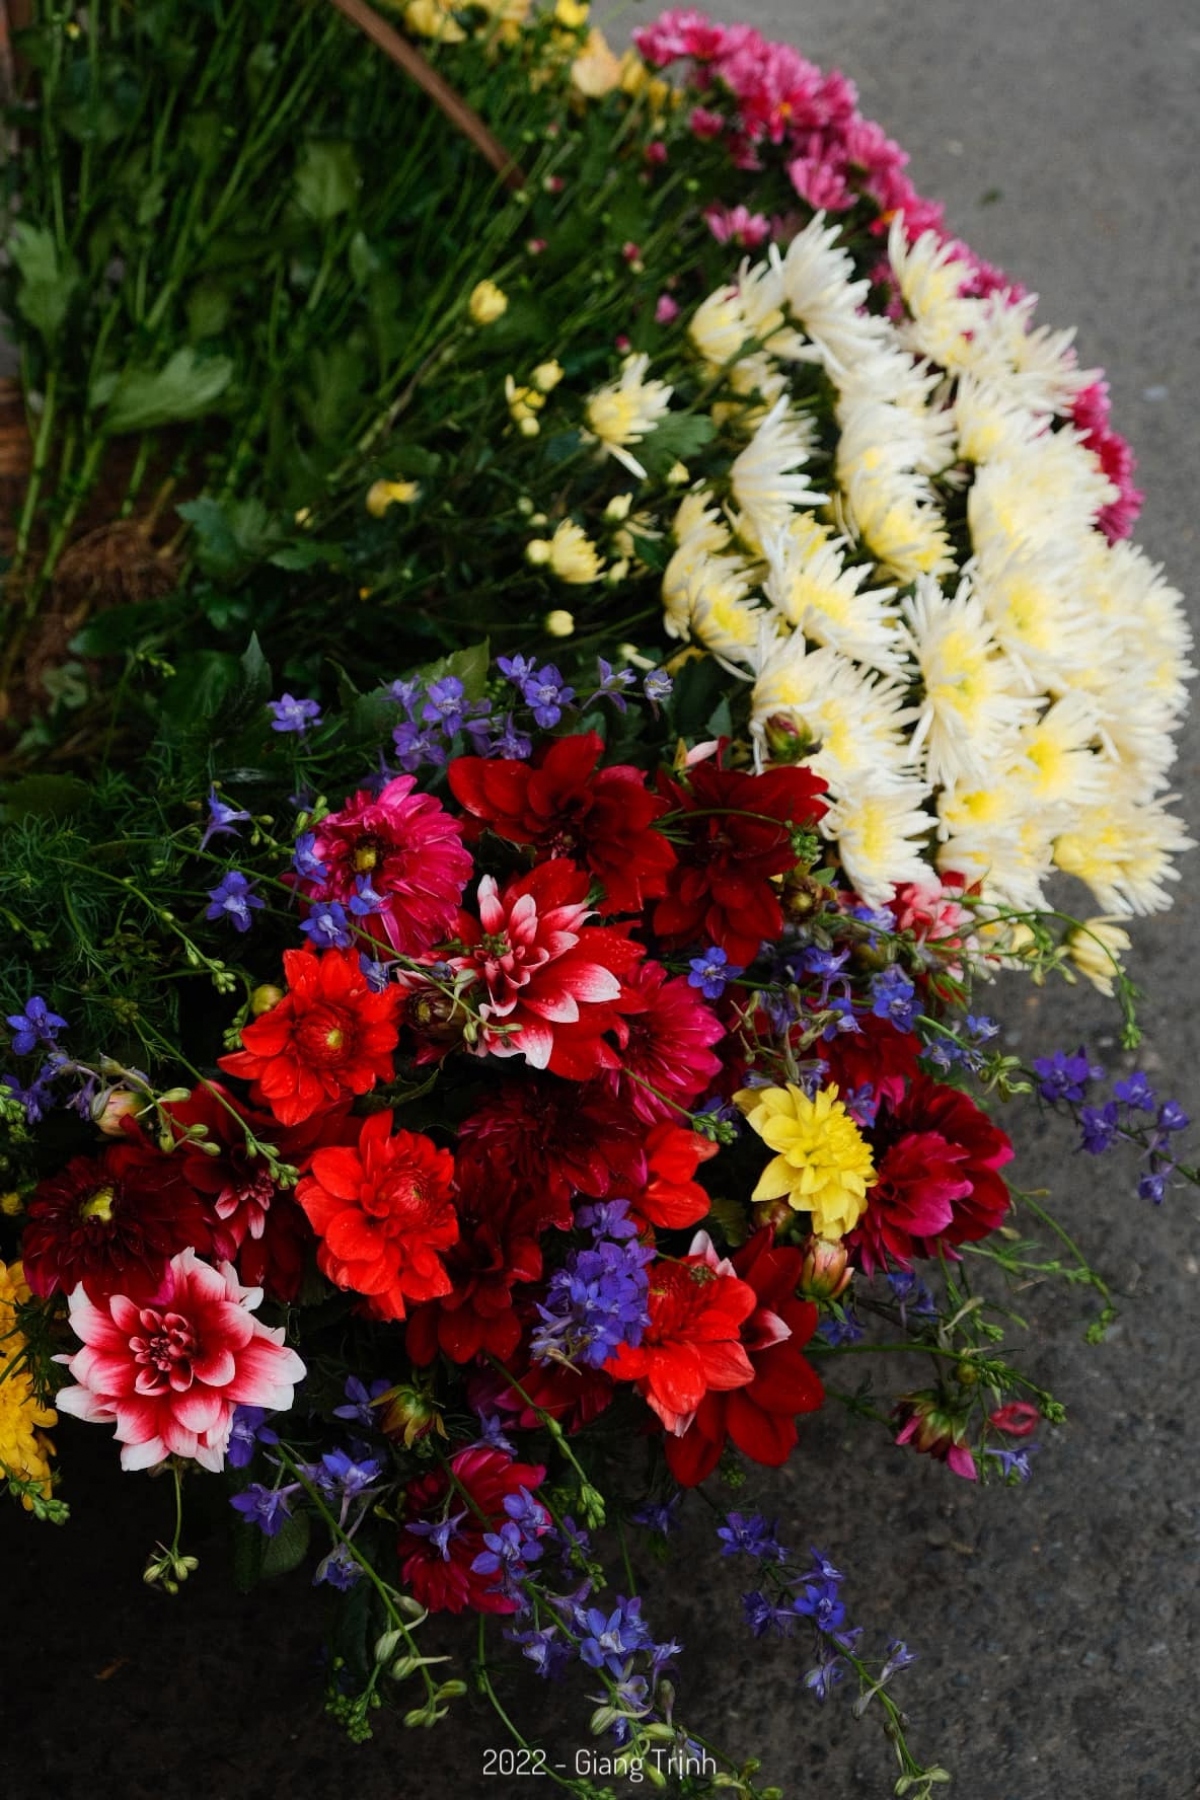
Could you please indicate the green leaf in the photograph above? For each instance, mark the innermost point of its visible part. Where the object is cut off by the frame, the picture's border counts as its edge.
(230, 535)
(327, 180)
(48, 280)
(186, 387)
(208, 310)
(470, 665)
(121, 628)
(677, 438)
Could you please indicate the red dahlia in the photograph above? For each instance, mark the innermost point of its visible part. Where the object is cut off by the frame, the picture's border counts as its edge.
(383, 1210)
(444, 1525)
(665, 1059)
(565, 807)
(692, 1344)
(329, 1037)
(409, 849)
(938, 1158)
(113, 1222)
(878, 1055)
(671, 1198)
(737, 834)
(760, 1417)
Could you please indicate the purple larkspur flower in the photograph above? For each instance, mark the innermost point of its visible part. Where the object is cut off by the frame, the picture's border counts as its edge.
(234, 900)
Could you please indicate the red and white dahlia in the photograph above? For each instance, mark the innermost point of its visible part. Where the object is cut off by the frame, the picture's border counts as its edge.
(553, 983)
(170, 1373)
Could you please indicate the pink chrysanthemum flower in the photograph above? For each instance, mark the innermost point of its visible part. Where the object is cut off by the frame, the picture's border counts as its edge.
(170, 1373)
(400, 852)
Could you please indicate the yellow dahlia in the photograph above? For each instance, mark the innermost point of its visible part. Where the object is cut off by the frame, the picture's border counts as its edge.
(823, 1165)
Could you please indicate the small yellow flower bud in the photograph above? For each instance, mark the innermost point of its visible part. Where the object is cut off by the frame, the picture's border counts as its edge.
(537, 552)
(10, 1204)
(487, 303)
(382, 494)
(529, 427)
(618, 507)
(677, 475)
(1096, 949)
(618, 572)
(109, 1109)
(559, 623)
(524, 506)
(264, 998)
(547, 376)
(571, 13)
(539, 519)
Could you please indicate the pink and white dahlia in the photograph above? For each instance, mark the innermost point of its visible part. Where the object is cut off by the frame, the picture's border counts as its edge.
(553, 983)
(396, 861)
(169, 1373)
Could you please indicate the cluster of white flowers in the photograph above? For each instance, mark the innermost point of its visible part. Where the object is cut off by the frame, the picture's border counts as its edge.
(987, 684)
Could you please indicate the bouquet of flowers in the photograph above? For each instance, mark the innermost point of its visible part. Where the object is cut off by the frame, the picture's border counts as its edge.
(468, 1087)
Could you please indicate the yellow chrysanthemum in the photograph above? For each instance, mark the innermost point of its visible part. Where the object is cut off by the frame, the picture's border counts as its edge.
(824, 1164)
(487, 303)
(24, 1450)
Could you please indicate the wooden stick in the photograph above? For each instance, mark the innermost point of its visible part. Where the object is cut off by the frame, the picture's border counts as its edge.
(463, 117)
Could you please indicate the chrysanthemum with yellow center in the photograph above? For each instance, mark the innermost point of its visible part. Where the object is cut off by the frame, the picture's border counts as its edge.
(626, 411)
(24, 1450)
(823, 1163)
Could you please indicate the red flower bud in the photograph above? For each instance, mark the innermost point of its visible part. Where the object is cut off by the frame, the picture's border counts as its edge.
(1019, 1418)
(825, 1273)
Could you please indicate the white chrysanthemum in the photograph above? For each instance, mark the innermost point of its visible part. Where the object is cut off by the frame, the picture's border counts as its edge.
(699, 532)
(628, 410)
(824, 297)
(900, 524)
(931, 278)
(763, 299)
(1061, 767)
(1035, 367)
(881, 835)
(998, 836)
(1037, 605)
(718, 326)
(757, 374)
(810, 583)
(767, 478)
(698, 522)
(856, 722)
(720, 613)
(990, 422)
(1123, 849)
(971, 708)
(1037, 495)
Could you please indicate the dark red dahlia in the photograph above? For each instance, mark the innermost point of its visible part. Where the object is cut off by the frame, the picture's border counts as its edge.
(270, 1232)
(938, 1158)
(113, 1222)
(564, 806)
(760, 1417)
(497, 1247)
(878, 1055)
(571, 1393)
(445, 1521)
(329, 1037)
(736, 832)
(557, 1138)
(665, 1039)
